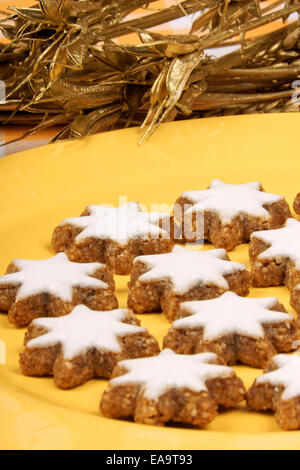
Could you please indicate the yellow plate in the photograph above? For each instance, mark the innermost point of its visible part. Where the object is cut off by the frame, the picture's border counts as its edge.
(42, 186)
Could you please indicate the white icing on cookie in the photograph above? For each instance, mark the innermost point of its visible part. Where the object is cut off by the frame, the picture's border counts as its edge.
(185, 268)
(287, 375)
(83, 329)
(169, 370)
(231, 200)
(285, 242)
(231, 314)
(119, 224)
(56, 276)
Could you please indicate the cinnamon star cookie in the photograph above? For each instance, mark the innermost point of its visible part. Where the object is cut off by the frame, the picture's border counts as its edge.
(114, 235)
(278, 390)
(237, 329)
(275, 259)
(83, 344)
(171, 387)
(165, 280)
(227, 214)
(52, 287)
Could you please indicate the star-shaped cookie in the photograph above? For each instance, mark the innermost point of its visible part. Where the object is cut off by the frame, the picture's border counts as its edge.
(226, 214)
(83, 344)
(278, 390)
(247, 330)
(275, 258)
(114, 235)
(171, 387)
(51, 287)
(165, 280)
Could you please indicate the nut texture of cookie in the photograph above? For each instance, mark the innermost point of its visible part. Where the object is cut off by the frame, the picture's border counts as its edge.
(296, 204)
(114, 235)
(275, 258)
(278, 390)
(52, 287)
(171, 387)
(83, 344)
(237, 329)
(227, 214)
(163, 281)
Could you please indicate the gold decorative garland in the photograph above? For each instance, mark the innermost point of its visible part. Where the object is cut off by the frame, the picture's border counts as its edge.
(61, 64)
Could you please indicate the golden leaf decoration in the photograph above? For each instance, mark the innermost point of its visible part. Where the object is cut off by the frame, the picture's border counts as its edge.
(62, 65)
